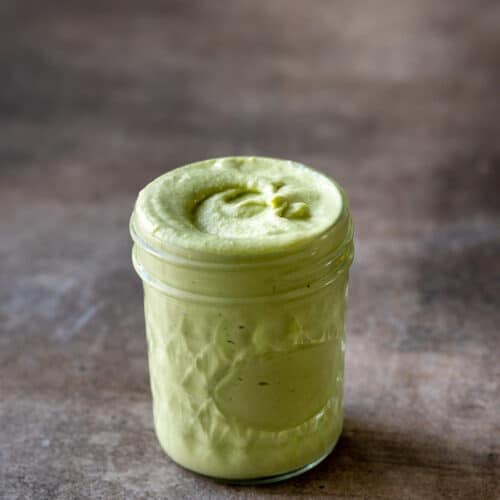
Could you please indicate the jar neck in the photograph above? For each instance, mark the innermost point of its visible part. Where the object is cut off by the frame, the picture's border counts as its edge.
(285, 274)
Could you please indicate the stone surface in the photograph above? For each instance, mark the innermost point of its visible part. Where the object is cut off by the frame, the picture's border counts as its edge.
(398, 100)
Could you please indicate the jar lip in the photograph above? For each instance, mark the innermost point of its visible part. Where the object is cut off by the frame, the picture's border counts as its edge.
(245, 262)
(195, 296)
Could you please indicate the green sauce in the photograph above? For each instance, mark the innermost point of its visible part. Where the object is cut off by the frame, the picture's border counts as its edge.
(245, 266)
(237, 206)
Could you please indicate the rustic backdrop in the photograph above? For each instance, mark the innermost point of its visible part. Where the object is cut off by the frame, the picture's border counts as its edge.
(398, 100)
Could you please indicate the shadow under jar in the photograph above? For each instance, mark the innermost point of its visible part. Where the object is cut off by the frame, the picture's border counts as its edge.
(245, 265)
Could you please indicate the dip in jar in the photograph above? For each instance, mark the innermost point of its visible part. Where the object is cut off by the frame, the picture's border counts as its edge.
(245, 264)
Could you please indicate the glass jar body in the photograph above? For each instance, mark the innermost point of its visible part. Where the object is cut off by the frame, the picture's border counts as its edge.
(248, 389)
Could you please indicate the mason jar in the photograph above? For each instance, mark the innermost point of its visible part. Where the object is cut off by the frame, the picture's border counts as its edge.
(245, 347)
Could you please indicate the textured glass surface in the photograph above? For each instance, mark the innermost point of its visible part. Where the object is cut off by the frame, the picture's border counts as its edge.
(247, 390)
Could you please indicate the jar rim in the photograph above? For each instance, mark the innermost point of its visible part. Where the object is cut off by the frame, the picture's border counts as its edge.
(289, 295)
(276, 270)
(247, 261)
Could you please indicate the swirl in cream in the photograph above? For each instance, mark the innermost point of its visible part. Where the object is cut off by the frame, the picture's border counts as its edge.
(242, 208)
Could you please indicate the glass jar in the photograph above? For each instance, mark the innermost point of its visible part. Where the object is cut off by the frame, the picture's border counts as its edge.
(247, 383)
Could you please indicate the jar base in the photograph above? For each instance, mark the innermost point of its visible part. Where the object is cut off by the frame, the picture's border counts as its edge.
(277, 477)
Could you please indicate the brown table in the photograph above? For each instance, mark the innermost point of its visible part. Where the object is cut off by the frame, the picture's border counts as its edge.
(400, 101)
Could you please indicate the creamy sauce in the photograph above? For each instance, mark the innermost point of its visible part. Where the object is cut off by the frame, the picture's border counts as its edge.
(246, 358)
(237, 206)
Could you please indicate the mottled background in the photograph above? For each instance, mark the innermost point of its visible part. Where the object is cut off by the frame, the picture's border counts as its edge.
(398, 100)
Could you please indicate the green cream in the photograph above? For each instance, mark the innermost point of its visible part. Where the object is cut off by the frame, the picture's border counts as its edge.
(237, 206)
(245, 266)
